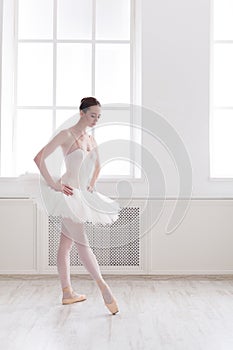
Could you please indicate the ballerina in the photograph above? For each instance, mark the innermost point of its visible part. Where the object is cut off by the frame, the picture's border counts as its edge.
(74, 198)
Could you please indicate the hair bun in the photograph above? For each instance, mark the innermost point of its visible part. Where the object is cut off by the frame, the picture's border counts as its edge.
(87, 102)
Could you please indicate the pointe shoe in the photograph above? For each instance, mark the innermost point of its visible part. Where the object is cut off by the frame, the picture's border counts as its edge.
(112, 307)
(74, 298)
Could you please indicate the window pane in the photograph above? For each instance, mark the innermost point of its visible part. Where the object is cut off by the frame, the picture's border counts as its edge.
(73, 73)
(223, 19)
(35, 19)
(113, 115)
(104, 133)
(112, 132)
(35, 74)
(34, 129)
(113, 73)
(108, 133)
(113, 19)
(67, 116)
(222, 144)
(74, 19)
(223, 75)
(115, 168)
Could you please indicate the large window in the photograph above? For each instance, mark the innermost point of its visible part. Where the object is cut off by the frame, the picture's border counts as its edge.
(55, 53)
(221, 106)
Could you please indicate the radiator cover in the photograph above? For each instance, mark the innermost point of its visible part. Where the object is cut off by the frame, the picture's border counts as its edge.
(117, 244)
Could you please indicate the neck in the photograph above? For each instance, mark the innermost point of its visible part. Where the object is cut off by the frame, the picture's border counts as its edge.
(80, 127)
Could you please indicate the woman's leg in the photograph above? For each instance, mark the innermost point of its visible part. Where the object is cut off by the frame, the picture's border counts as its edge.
(63, 260)
(87, 257)
(90, 262)
(63, 267)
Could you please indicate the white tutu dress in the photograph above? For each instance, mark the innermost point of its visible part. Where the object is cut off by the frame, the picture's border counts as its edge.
(83, 206)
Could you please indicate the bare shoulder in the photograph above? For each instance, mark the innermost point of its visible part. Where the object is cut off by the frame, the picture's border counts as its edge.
(61, 137)
(67, 138)
(63, 133)
(68, 134)
(58, 140)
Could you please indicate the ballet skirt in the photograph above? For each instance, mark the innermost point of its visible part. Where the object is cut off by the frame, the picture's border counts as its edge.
(83, 206)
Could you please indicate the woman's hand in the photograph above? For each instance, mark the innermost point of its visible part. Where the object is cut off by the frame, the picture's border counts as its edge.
(90, 188)
(60, 187)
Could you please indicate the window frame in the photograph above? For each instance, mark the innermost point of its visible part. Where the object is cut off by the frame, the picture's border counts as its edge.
(212, 107)
(135, 77)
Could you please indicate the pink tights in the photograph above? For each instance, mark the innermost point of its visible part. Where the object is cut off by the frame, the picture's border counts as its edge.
(77, 234)
(85, 254)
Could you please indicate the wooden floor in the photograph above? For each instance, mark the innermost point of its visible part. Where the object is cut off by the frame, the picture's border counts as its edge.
(167, 313)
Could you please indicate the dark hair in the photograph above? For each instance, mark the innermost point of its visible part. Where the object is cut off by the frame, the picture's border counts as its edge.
(87, 102)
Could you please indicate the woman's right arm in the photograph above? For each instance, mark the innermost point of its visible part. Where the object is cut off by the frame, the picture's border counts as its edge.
(39, 159)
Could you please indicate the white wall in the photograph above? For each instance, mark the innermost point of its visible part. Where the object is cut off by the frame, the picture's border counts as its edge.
(175, 80)
(197, 246)
(18, 236)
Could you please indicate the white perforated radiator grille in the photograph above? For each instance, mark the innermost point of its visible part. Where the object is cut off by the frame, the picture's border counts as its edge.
(117, 244)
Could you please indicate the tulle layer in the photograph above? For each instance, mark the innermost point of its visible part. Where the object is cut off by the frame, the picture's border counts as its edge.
(82, 206)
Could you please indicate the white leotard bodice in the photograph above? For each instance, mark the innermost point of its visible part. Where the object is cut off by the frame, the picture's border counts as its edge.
(79, 168)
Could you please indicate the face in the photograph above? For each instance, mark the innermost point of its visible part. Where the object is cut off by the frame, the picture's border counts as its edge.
(92, 115)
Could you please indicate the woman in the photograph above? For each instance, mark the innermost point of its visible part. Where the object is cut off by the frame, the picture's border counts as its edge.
(73, 197)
